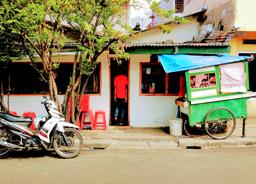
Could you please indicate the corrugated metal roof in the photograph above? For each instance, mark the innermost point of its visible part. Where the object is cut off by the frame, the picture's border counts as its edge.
(212, 44)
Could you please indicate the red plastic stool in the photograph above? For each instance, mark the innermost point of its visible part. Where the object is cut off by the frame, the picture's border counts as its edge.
(100, 120)
(32, 115)
(85, 123)
(13, 113)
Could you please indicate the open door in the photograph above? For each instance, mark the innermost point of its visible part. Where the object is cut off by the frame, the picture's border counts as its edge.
(115, 70)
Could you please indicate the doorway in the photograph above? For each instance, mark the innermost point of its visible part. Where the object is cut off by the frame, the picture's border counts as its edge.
(252, 70)
(115, 69)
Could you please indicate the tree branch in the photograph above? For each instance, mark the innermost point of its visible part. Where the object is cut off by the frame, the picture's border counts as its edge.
(33, 61)
(33, 45)
(97, 54)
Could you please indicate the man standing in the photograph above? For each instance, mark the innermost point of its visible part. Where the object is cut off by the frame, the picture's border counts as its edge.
(120, 97)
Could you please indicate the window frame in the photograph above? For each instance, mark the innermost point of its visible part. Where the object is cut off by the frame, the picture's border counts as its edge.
(100, 82)
(23, 94)
(47, 93)
(167, 80)
(179, 6)
(207, 71)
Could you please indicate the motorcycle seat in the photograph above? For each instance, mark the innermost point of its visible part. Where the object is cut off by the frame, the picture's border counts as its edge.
(14, 119)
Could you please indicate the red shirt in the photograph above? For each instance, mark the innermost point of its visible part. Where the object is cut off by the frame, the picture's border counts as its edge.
(120, 83)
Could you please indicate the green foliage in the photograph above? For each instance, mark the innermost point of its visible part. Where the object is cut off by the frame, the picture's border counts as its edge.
(155, 6)
(43, 28)
(46, 26)
(89, 67)
(101, 26)
(37, 23)
(165, 28)
(178, 20)
(98, 23)
(168, 14)
(55, 65)
(10, 44)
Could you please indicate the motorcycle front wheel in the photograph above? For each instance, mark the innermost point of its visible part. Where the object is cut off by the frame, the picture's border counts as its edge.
(69, 146)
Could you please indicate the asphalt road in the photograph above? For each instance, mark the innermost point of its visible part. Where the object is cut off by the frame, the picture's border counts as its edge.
(212, 166)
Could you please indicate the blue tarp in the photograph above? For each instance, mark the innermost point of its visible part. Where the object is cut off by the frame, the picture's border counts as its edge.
(182, 62)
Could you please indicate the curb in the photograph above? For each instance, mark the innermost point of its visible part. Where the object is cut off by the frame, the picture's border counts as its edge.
(178, 143)
(119, 144)
(231, 142)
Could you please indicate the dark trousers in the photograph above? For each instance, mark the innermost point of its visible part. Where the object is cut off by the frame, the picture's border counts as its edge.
(120, 109)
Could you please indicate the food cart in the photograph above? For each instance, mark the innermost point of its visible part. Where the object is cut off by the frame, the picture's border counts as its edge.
(217, 90)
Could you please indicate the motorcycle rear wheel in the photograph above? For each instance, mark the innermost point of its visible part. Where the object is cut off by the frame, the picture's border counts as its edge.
(71, 147)
(3, 150)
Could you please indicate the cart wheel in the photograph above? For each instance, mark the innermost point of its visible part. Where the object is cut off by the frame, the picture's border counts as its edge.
(219, 123)
(186, 128)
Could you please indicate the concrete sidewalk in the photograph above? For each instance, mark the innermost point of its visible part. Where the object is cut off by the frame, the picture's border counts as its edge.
(129, 138)
(159, 138)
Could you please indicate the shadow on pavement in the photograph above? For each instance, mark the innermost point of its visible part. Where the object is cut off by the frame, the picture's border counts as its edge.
(29, 154)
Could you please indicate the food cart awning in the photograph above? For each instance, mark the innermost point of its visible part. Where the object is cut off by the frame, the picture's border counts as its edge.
(182, 62)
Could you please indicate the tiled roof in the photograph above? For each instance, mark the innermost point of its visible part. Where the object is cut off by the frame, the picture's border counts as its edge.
(220, 36)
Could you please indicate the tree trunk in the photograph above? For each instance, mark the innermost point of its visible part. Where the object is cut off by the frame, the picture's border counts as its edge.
(73, 88)
(3, 107)
(50, 87)
(78, 113)
(66, 104)
(54, 90)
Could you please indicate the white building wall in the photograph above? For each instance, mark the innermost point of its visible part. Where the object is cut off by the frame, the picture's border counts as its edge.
(147, 111)
(102, 102)
(139, 13)
(32, 103)
(26, 103)
(245, 14)
(179, 34)
(144, 111)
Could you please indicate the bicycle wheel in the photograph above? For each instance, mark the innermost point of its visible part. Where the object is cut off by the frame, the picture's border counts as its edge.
(219, 123)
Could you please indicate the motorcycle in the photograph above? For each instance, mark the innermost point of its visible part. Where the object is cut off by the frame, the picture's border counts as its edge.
(52, 132)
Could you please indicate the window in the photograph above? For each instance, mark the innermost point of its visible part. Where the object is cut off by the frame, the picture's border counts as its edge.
(246, 41)
(63, 76)
(179, 6)
(233, 78)
(21, 78)
(155, 81)
(65, 72)
(93, 86)
(203, 82)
